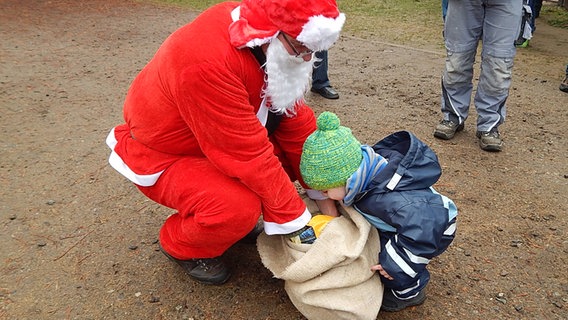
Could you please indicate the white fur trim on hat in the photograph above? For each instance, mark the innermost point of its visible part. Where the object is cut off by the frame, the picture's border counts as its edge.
(315, 23)
(320, 33)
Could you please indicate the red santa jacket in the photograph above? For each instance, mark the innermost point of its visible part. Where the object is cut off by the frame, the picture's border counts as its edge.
(199, 96)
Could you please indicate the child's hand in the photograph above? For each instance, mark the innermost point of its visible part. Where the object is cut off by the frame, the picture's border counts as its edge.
(328, 207)
(382, 271)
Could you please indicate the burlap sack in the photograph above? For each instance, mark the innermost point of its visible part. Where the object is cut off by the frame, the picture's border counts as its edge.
(331, 278)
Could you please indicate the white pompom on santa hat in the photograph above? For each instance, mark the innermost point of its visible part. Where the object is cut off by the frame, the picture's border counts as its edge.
(315, 23)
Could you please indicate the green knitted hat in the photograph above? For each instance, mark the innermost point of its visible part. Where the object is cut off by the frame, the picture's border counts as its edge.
(331, 154)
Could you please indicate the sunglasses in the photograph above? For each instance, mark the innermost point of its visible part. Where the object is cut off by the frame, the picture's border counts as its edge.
(296, 51)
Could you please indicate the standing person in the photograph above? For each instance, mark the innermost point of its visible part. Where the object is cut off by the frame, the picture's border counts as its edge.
(527, 25)
(496, 23)
(564, 84)
(215, 123)
(536, 6)
(390, 184)
(320, 79)
(533, 4)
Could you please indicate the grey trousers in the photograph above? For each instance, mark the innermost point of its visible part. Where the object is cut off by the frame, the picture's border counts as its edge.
(496, 23)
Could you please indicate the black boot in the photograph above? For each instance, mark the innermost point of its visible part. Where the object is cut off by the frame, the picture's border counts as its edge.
(204, 270)
(391, 303)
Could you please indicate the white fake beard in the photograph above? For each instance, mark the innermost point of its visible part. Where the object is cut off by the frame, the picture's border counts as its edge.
(288, 78)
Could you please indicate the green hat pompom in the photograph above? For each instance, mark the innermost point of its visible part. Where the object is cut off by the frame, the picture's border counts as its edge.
(331, 154)
(328, 121)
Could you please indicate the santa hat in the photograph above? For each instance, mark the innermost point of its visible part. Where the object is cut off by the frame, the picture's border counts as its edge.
(315, 23)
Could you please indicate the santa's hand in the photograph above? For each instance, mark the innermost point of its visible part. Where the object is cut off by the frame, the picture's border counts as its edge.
(381, 271)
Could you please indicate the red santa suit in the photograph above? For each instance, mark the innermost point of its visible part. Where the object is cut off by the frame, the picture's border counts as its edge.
(194, 140)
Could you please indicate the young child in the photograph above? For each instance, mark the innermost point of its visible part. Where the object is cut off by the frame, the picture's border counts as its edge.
(390, 184)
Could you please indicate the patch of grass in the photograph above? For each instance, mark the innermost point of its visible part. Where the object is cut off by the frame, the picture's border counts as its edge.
(195, 4)
(398, 21)
(556, 16)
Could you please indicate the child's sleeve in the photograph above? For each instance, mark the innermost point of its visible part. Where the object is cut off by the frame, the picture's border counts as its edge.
(419, 237)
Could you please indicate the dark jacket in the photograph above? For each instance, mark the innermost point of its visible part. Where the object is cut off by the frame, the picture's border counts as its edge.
(415, 222)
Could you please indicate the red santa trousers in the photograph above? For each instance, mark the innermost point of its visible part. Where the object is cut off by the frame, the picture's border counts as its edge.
(214, 211)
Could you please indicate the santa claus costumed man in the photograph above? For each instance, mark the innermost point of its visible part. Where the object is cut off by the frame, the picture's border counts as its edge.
(215, 123)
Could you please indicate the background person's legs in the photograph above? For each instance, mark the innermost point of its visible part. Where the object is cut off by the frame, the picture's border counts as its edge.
(320, 78)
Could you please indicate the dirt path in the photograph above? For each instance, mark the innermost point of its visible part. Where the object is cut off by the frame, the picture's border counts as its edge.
(79, 242)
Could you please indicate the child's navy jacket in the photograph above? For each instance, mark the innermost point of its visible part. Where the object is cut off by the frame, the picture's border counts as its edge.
(415, 222)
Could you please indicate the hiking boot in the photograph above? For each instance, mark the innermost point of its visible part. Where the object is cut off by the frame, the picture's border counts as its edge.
(203, 270)
(446, 129)
(392, 304)
(490, 140)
